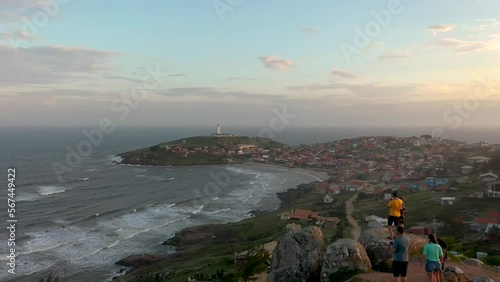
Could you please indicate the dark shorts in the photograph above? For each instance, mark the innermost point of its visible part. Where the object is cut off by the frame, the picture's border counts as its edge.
(393, 219)
(399, 268)
(432, 266)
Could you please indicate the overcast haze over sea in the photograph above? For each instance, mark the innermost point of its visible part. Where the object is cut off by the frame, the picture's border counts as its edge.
(102, 212)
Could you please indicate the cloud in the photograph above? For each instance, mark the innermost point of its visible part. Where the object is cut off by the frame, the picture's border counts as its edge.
(392, 56)
(435, 29)
(14, 10)
(464, 46)
(52, 64)
(310, 30)
(343, 74)
(215, 93)
(276, 63)
(177, 74)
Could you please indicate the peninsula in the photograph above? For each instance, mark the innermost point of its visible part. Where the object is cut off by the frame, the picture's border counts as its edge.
(204, 150)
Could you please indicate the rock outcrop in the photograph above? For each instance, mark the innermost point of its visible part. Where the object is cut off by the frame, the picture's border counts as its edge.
(473, 261)
(140, 260)
(298, 256)
(455, 274)
(343, 259)
(377, 246)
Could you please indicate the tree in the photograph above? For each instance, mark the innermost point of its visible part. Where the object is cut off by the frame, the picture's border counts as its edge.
(254, 263)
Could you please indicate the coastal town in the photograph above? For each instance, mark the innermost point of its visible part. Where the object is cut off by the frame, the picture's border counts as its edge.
(449, 187)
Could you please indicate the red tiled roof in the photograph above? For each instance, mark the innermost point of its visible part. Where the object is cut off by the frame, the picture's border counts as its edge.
(484, 220)
(494, 214)
(304, 214)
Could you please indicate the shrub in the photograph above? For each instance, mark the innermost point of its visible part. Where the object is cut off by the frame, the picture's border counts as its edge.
(491, 260)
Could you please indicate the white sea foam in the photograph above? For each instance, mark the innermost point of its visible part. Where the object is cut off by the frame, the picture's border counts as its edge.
(49, 190)
(198, 209)
(116, 159)
(27, 197)
(218, 211)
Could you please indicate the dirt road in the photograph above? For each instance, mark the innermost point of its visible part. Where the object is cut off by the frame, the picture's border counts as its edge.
(349, 208)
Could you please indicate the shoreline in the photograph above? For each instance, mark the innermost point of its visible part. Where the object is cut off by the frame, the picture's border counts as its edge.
(187, 239)
(321, 175)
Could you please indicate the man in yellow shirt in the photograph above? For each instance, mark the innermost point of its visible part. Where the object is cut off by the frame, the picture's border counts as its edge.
(395, 206)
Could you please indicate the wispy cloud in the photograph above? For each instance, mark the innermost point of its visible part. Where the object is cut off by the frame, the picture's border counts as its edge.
(52, 64)
(343, 74)
(310, 30)
(465, 46)
(215, 93)
(276, 63)
(388, 56)
(435, 29)
(177, 74)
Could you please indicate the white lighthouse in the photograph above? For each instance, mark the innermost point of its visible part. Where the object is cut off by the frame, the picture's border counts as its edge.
(219, 131)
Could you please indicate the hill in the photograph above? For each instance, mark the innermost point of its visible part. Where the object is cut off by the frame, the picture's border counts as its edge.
(203, 150)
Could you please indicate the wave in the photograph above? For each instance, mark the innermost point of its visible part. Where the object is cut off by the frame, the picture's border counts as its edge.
(115, 159)
(215, 199)
(27, 197)
(171, 178)
(49, 190)
(198, 210)
(84, 179)
(218, 211)
(257, 176)
(172, 221)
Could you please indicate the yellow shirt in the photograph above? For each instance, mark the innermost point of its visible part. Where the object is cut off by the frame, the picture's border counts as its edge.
(395, 207)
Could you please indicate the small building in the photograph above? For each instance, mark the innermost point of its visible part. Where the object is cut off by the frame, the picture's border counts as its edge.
(488, 177)
(302, 214)
(327, 199)
(433, 182)
(327, 222)
(494, 189)
(447, 201)
(466, 169)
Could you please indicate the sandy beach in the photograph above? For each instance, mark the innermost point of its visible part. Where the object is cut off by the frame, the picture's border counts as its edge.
(321, 175)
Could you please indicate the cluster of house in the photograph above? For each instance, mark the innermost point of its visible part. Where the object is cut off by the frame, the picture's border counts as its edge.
(223, 149)
(305, 216)
(487, 225)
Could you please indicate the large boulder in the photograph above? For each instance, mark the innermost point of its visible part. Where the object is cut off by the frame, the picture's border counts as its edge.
(298, 256)
(378, 247)
(344, 259)
(455, 274)
(473, 261)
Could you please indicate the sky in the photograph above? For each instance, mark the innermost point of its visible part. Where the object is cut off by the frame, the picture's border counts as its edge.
(249, 63)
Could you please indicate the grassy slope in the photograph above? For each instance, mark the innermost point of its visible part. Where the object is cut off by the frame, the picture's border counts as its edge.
(155, 156)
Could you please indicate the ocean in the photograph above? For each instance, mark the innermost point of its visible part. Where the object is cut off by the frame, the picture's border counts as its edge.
(77, 226)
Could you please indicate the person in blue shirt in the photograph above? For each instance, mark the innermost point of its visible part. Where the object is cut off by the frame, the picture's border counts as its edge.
(400, 248)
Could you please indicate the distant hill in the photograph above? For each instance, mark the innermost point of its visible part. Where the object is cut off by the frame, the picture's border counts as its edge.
(201, 150)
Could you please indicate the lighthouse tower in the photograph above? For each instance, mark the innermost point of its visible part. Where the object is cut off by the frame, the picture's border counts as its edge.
(219, 131)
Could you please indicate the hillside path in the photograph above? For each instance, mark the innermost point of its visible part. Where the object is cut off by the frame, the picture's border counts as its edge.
(349, 208)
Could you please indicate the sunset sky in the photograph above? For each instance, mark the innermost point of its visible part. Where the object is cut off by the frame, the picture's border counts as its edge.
(384, 63)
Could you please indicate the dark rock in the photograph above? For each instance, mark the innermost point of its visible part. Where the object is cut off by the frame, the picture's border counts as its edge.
(377, 246)
(298, 256)
(344, 259)
(454, 274)
(140, 260)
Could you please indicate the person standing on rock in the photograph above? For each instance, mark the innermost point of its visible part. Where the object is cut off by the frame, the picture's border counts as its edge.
(444, 246)
(399, 249)
(433, 254)
(395, 206)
